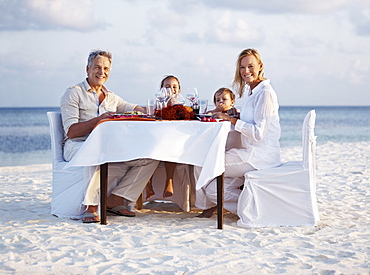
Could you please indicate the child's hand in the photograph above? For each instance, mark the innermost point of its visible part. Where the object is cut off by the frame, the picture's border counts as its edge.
(222, 107)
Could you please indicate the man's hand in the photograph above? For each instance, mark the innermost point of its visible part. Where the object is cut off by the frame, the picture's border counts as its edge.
(106, 115)
(82, 129)
(141, 109)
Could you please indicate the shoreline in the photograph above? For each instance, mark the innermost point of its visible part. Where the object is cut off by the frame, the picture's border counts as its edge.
(164, 240)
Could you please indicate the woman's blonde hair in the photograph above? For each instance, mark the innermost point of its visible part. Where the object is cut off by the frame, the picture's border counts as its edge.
(238, 82)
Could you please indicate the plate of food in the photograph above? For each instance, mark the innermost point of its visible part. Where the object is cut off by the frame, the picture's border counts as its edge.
(131, 114)
(204, 115)
(208, 118)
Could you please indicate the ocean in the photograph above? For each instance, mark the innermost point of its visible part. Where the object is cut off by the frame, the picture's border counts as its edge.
(25, 138)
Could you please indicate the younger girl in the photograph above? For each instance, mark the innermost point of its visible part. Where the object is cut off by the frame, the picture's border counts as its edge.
(224, 100)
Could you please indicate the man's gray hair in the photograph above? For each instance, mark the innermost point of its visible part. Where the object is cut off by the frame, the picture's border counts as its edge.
(96, 53)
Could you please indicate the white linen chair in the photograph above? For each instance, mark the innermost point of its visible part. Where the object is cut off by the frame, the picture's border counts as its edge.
(283, 195)
(68, 184)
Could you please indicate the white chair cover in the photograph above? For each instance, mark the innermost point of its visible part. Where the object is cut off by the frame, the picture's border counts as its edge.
(68, 184)
(284, 195)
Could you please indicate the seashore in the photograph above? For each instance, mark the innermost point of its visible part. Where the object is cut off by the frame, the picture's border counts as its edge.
(164, 240)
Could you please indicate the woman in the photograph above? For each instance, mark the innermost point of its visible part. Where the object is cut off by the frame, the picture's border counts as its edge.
(259, 128)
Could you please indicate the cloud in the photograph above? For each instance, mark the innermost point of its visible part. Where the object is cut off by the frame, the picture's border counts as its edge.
(164, 19)
(192, 38)
(194, 23)
(358, 72)
(162, 24)
(19, 15)
(361, 20)
(279, 6)
(231, 30)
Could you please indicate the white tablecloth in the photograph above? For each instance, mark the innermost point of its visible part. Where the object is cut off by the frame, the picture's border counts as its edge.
(191, 142)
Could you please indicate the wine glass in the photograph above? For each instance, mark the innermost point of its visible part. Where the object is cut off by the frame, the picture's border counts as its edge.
(169, 95)
(178, 99)
(192, 95)
(161, 97)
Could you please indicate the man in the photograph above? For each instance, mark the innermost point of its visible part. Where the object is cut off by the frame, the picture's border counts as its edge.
(82, 107)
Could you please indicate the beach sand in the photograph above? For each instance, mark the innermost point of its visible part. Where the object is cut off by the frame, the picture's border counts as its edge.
(164, 240)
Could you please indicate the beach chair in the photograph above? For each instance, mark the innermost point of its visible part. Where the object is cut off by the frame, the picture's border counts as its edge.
(284, 195)
(67, 184)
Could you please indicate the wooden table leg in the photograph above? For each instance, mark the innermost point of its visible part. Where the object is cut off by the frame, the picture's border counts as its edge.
(103, 192)
(220, 201)
(139, 201)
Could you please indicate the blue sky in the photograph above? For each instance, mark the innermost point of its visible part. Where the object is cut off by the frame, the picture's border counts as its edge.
(315, 52)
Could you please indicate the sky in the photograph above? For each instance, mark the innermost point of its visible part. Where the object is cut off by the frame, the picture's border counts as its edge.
(316, 53)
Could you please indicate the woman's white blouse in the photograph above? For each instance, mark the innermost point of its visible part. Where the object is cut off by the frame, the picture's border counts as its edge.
(260, 128)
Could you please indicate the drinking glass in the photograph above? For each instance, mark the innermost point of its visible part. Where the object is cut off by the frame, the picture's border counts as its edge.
(203, 104)
(150, 107)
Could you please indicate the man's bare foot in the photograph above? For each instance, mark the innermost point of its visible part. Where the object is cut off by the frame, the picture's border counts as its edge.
(207, 213)
(90, 215)
(168, 190)
(149, 190)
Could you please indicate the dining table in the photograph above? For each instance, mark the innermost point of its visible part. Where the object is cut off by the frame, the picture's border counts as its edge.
(190, 142)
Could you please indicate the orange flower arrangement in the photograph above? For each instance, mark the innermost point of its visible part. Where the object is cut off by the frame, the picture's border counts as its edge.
(176, 112)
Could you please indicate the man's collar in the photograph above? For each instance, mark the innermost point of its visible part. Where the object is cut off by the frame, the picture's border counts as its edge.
(89, 89)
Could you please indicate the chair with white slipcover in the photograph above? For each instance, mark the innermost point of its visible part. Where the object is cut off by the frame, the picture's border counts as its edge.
(67, 184)
(283, 195)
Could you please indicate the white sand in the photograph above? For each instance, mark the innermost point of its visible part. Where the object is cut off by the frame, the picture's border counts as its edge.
(172, 242)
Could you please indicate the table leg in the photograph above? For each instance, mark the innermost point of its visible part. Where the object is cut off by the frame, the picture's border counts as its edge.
(220, 201)
(139, 201)
(103, 192)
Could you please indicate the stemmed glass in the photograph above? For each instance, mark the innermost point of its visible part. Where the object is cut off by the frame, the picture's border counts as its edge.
(161, 97)
(192, 95)
(178, 99)
(169, 94)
